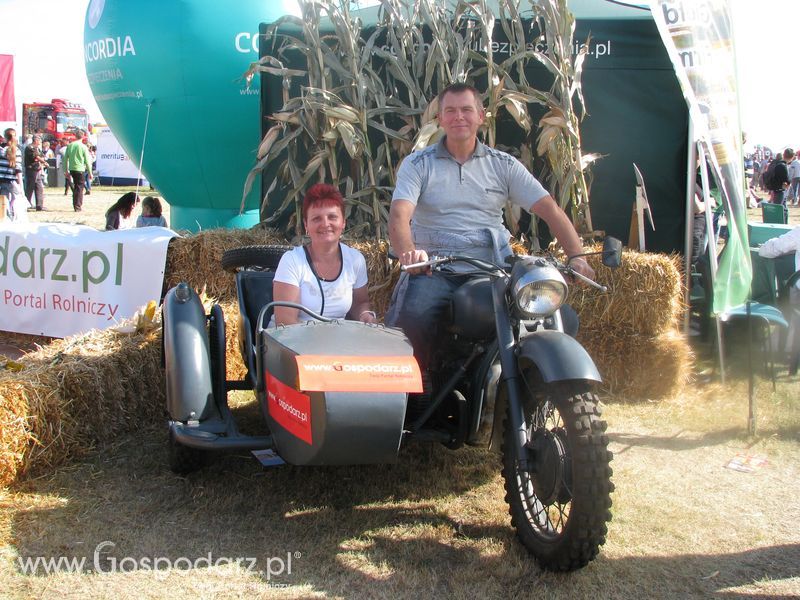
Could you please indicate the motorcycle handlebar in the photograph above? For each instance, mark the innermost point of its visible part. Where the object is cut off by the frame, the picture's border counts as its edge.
(488, 267)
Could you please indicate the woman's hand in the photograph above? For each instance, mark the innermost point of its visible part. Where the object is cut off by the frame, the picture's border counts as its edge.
(360, 308)
(368, 316)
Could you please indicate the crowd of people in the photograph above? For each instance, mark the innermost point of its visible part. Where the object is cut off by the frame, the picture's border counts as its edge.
(777, 175)
(24, 174)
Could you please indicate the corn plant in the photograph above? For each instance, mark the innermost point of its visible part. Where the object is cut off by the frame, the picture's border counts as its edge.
(356, 102)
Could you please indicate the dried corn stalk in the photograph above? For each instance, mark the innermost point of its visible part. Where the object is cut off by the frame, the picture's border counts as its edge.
(358, 103)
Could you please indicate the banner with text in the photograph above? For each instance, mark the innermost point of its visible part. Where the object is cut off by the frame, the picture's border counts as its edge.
(58, 280)
(8, 105)
(114, 166)
(699, 39)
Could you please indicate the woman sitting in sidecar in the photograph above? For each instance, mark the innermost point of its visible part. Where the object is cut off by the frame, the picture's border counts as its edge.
(325, 275)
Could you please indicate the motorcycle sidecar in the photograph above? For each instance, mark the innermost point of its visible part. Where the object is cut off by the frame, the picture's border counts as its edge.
(331, 392)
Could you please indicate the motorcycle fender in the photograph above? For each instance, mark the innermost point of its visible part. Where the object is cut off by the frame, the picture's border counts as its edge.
(187, 360)
(557, 356)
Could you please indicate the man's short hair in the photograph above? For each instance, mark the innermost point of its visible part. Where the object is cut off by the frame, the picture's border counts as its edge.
(457, 88)
(788, 153)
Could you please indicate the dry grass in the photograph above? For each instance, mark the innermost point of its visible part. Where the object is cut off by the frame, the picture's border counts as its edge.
(433, 524)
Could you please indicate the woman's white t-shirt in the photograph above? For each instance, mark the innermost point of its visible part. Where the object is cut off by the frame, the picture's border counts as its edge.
(295, 270)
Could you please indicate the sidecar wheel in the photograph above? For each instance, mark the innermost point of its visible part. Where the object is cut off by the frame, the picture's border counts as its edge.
(560, 504)
(264, 257)
(184, 460)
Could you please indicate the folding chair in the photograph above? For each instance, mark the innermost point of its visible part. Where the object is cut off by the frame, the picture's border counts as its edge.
(773, 213)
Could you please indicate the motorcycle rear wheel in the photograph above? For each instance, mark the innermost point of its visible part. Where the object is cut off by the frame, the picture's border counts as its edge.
(560, 504)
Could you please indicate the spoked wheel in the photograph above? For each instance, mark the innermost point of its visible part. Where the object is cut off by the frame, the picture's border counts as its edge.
(559, 496)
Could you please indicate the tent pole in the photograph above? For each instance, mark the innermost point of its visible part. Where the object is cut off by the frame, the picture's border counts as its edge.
(704, 151)
(144, 141)
(687, 251)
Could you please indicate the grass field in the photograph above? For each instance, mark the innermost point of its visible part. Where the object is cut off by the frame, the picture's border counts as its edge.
(59, 207)
(684, 524)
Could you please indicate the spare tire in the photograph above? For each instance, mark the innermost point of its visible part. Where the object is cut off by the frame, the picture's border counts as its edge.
(261, 257)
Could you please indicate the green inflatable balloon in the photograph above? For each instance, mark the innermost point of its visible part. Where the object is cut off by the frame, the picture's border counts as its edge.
(168, 78)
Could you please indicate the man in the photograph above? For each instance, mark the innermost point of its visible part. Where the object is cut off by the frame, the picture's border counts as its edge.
(794, 178)
(34, 173)
(449, 198)
(778, 180)
(786, 244)
(77, 162)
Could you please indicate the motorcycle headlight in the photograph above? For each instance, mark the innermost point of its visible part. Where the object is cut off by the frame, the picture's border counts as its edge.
(539, 288)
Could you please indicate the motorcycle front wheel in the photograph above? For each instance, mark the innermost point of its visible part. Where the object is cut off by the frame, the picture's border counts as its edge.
(559, 497)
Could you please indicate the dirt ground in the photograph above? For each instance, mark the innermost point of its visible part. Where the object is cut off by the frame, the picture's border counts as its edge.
(685, 524)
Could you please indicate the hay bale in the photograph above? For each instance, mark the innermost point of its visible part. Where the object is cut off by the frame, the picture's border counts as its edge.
(382, 273)
(644, 296)
(235, 369)
(76, 393)
(640, 367)
(196, 258)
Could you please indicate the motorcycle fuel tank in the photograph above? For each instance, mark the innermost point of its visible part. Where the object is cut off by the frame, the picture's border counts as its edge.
(336, 392)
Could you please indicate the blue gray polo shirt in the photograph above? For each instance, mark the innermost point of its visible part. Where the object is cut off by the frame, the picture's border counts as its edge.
(459, 198)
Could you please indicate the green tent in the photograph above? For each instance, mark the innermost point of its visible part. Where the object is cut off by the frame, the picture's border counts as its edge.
(637, 114)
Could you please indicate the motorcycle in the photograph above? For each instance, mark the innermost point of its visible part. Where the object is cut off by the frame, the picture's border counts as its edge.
(507, 375)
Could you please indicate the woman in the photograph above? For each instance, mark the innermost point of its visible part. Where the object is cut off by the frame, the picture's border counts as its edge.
(11, 176)
(118, 214)
(151, 214)
(326, 276)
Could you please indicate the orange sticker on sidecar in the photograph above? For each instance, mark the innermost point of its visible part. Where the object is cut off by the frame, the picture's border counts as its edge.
(290, 408)
(358, 374)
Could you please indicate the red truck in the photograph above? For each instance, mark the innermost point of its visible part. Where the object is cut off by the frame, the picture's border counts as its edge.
(54, 120)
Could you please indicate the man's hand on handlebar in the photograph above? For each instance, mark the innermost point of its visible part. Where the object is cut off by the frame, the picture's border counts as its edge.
(579, 265)
(412, 257)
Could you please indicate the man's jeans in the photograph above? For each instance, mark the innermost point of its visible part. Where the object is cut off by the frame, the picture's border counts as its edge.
(422, 309)
(794, 190)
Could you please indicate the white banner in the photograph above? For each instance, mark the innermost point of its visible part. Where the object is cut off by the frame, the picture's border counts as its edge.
(114, 167)
(58, 280)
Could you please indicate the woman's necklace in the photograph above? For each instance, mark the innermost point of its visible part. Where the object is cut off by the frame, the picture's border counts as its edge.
(329, 270)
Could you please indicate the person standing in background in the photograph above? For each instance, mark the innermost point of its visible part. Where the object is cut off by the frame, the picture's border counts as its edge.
(48, 155)
(90, 170)
(78, 161)
(34, 170)
(794, 180)
(11, 174)
(61, 163)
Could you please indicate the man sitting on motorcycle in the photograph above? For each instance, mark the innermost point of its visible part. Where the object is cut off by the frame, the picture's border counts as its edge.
(449, 199)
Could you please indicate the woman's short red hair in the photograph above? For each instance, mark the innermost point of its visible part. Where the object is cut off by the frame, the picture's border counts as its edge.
(322, 194)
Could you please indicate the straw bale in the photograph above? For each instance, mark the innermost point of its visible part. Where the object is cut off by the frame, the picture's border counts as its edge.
(382, 273)
(76, 393)
(640, 367)
(235, 368)
(196, 258)
(644, 296)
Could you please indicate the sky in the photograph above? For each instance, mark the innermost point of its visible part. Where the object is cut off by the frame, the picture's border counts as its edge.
(46, 39)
